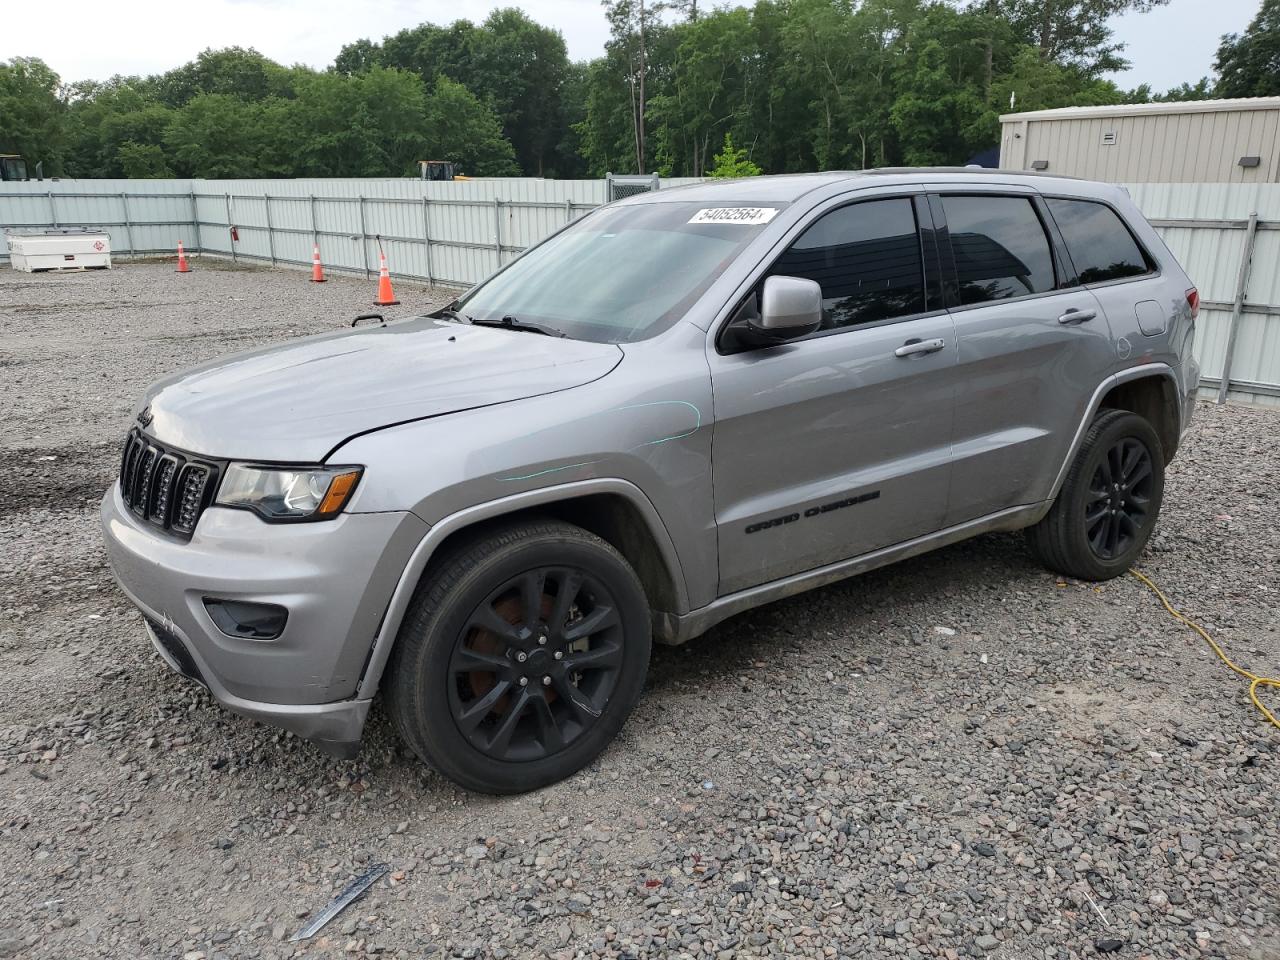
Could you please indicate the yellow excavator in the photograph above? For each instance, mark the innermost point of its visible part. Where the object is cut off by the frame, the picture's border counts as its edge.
(12, 167)
(440, 170)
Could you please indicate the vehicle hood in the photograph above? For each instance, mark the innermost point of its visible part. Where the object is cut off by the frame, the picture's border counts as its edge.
(297, 401)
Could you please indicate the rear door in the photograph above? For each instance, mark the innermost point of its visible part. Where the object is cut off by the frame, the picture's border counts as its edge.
(1121, 274)
(838, 444)
(1033, 346)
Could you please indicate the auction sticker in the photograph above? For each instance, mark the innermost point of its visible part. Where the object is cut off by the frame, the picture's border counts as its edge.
(747, 216)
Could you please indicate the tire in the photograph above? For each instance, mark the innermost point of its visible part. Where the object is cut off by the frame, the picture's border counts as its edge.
(473, 692)
(1096, 531)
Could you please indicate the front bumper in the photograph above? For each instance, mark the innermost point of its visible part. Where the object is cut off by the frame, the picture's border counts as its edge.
(335, 578)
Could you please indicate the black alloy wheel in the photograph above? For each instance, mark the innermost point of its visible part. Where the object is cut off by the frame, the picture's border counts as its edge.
(1107, 506)
(1119, 498)
(536, 663)
(521, 656)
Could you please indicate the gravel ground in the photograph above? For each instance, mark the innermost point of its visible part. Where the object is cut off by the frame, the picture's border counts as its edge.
(957, 756)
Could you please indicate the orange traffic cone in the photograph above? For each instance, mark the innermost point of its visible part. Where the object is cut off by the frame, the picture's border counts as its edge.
(317, 271)
(182, 260)
(385, 297)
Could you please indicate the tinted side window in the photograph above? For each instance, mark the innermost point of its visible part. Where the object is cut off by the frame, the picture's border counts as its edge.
(867, 258)
(1101, 246)
(1000, 248)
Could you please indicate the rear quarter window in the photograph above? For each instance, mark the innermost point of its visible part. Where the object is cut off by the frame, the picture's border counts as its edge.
(1101, 245)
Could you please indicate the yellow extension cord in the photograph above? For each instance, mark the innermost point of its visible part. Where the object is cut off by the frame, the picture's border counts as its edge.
(1255, 681)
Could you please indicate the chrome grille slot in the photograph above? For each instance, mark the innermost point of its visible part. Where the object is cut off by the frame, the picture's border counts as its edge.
(169, 489)
(132, 453)
(142, 479)
(192, 490)
(162, 489)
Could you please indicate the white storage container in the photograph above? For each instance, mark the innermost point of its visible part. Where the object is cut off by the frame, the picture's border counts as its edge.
(59, 250)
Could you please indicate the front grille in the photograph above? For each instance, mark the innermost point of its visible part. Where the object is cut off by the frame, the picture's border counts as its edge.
(167, 488)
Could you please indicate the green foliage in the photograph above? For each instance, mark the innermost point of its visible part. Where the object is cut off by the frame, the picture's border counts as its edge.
(32, 113)
(515, 66)
(1071, 33)
(799, 84)
(142, 161)
(711, 80)
(1033, 83)
(219, 135)
(1249, 63)
(461, 128)
(732, 162)
(366, 125)
(236, 72)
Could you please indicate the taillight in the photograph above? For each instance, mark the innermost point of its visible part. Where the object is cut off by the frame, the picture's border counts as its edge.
(1193, 301)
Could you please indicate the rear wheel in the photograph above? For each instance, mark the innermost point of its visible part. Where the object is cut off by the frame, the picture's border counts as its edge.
(521, 657)
(1108, 504)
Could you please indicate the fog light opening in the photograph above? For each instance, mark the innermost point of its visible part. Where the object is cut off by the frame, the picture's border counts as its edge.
(246, 620)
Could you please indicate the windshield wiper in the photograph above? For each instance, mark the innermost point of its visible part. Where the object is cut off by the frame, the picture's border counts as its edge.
(450, 313)
(511, 323)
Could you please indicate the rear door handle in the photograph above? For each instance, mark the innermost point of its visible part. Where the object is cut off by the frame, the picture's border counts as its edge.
(914, 348)
(1074, 316)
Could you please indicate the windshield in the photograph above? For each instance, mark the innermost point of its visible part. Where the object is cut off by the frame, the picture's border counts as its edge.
(620, 273)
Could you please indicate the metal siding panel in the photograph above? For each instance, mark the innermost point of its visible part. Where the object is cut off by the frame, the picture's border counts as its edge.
(1120, 161)
(461, 216)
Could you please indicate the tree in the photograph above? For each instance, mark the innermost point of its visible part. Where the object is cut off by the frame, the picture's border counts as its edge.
(606, 133)
(364, 125)
(219, 135)
(846, 58)
(358, 57)
(235, 71)
(799, 84)
(511, 63)
(1034, 84)
(103, 117)
(710, 86)
(1202, 89)
(732, 162)
(570, 157)
(142, 161)
(1071, 32)
(520, 67)
(945, 108)
(32, 113)
(632, 24)
(461, 128)
(937, 119)
(1248, 64)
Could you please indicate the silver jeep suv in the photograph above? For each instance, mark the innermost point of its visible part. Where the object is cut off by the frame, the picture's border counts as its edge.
(684, 405)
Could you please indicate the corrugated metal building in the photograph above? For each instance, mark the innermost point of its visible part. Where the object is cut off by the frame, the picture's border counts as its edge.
(1206, 141)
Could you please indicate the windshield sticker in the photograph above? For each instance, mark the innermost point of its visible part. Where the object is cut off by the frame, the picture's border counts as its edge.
(747, 216)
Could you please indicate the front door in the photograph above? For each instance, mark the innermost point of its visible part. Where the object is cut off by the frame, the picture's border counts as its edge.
(838, 444)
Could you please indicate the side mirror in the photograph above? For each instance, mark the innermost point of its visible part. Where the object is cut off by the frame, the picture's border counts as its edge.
(790, 307)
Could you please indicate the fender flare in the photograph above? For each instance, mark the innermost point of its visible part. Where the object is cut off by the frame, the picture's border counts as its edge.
(1124, 376)
(385, 639)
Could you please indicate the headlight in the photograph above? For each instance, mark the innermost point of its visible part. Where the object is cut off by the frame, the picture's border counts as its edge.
(288, 493)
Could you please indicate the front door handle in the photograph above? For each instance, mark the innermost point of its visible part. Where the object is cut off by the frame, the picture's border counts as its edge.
(914, 348)
(1074, 316)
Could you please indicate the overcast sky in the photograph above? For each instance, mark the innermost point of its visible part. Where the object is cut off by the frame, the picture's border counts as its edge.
(93, 39)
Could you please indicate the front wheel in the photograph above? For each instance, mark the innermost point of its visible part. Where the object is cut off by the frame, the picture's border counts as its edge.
(521, 657)
(1108, 504)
